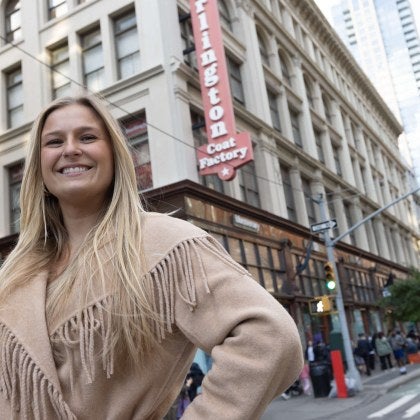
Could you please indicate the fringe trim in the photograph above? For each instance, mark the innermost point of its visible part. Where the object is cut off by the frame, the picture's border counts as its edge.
(24, 384)
(93, 320)
(177, 273)
(183, 266)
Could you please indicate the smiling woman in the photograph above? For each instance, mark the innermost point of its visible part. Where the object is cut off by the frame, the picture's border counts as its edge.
(76, 158)
(103, 305)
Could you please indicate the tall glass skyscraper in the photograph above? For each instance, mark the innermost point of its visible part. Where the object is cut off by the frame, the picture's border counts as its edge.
(382, 36)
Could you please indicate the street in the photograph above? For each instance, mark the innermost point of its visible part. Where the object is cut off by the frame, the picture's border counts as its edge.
(402, 402)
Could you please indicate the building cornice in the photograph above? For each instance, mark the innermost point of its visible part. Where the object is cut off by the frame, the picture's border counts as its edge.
(325, 33)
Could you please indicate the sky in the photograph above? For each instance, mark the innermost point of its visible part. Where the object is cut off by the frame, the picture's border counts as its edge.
(324, 5)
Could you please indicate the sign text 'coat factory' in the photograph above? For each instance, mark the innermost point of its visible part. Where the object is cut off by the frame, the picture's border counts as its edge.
(226, 150)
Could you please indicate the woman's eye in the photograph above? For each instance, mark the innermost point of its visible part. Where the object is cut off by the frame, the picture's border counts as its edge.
(88, 137)
(53, 142)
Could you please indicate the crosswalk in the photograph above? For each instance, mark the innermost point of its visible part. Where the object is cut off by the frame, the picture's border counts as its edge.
(409, 412)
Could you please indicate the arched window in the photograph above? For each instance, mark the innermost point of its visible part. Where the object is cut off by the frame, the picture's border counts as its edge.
(13, 21)
(284, 69)
(225, 19)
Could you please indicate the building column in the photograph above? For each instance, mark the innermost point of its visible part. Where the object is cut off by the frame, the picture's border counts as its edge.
(398, 246)
(317, 188)
(269, 179)
(368, 180)
(360, 232)
(253, 75)
(285, 122)
(373, 247)
(344, 155)
(381, 241)
(341, 216)
(308, 137)
(300, 205)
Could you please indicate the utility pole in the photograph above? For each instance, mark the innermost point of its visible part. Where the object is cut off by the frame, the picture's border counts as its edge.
(329, 244)
(348, 351)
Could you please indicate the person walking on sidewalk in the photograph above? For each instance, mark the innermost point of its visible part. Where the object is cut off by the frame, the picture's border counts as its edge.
(383, 350)
(363, 350)
(397, 342)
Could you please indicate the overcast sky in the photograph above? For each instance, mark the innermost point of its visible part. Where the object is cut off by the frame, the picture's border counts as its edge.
(324, 5)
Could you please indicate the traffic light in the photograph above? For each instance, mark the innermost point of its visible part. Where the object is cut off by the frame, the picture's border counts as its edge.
(329, 276)
(321, 305)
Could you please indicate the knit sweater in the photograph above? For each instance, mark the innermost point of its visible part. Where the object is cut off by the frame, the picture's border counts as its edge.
(49, 369)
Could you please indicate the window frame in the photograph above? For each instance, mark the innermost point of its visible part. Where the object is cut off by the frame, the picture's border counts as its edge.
(12, 34)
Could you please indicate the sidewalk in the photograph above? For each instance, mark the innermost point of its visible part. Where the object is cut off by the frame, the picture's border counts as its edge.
(306, 407)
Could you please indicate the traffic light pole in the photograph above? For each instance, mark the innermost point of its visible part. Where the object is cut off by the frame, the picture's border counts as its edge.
(329, 244)
(351, 365)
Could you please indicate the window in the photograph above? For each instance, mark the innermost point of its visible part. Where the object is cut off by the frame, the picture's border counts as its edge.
(274, 110)
(200, 138)
(136, 132)
(60, 71)
(13, 21)
(288, 193)
(349, 222)
(14, 98)
(127, 45)
(187, 38)
(263, 49)
(337, 160)
(15, 182)
(330, 203)
(310, 207)
(224, 14)
(318, 142)
(294, 119)
(308, 89)
(57, 8)
(284, 69)
(235, 80)
(248, 184)
(93, 61)
(266, 264)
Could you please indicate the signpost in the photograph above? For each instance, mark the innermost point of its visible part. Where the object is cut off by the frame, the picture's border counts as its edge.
(320, 227)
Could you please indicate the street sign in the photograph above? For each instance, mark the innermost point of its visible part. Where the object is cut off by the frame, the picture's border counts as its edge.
(321, 227)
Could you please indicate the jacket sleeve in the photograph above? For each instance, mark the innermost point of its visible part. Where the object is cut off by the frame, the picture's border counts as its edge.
(253, 341)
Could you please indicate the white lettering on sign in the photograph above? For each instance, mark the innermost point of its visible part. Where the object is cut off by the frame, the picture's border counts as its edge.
(207, 162)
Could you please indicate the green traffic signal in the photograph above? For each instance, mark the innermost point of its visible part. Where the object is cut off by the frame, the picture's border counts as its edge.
(330, 284)
(329, 276)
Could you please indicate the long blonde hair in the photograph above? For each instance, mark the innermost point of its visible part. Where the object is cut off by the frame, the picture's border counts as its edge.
(43, 238)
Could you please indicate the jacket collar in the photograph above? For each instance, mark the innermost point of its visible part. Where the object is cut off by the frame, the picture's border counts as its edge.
(24, 315)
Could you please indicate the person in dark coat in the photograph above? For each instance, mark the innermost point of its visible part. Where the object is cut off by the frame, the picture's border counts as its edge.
(363, 350)
(194, 379)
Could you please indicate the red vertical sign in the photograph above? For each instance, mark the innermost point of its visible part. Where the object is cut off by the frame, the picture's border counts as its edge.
(226, 150)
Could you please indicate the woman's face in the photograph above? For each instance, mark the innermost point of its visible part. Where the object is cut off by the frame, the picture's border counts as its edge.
(76, 156)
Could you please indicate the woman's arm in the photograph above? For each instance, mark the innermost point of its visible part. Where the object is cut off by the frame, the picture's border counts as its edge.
(252, 339)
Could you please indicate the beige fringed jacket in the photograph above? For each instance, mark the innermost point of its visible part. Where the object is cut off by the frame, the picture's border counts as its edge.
(48, 370)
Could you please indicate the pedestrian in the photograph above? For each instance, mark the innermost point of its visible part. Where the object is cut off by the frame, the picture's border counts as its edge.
(103, 305)
(183, 402)
(363, 349)
(384, 351)
(309, 352)
(398, 343)
(194, 380)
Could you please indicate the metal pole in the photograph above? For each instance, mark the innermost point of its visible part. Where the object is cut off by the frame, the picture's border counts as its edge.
(351, 366)
(375, 213)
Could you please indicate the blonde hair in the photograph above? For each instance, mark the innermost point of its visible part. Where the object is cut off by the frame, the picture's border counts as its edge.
(43, 239)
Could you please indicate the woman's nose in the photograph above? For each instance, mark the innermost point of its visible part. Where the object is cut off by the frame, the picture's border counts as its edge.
(71, 148)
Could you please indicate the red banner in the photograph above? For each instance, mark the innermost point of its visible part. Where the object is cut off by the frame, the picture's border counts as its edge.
(226, 150)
